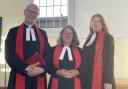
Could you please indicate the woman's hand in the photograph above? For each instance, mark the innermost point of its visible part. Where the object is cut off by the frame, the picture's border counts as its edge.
(68, 73)
(62, 72)
(107, 86)
(73, 73)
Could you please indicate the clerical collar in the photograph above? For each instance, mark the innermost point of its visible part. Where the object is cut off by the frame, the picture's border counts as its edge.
(69, 53)
(29, 26)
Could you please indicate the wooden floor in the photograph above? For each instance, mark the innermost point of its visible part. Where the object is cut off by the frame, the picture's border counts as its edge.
(120, 84)
(119, 87)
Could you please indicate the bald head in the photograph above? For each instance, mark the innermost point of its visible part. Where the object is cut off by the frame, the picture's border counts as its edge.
(33, 8)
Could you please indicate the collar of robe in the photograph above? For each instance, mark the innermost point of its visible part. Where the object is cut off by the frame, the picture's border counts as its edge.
(30, 32)
(91, 39)
(69, 53)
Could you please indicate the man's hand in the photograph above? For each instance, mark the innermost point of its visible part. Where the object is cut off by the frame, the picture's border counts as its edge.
(33, 70)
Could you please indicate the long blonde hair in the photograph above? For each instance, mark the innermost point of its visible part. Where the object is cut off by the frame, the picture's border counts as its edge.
(104, 26)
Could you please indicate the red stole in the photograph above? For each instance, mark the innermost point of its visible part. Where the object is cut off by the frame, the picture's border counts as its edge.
(20, 79)
(56, 55)
(97, 82)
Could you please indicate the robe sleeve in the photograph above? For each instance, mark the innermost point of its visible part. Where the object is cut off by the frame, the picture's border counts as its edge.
(46, 51)
(10, 55)
(46, 46)
(80, 69)
(108, 59)
(47, 55)
(49, 63)
(83, 69)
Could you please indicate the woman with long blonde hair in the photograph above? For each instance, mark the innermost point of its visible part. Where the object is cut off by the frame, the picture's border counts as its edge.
(99, 55)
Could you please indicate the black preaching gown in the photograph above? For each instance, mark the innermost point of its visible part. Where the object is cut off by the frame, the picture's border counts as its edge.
(29, 48)
(63, 83)
(108, 62)
(66, 83)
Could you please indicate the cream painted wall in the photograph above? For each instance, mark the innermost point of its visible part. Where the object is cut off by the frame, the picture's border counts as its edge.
(121, 58)
(12, 13)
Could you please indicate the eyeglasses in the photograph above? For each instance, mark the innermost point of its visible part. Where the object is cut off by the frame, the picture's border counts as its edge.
(70, 34)
(32, 12)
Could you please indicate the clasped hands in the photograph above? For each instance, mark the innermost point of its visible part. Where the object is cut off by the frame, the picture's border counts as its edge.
(34, 70)
(67, 73)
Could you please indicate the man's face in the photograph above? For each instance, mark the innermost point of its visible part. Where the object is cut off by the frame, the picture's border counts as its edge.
(31, 13)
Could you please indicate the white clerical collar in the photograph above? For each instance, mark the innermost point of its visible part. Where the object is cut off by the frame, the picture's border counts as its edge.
(69, 53)
(91, 39)
(30, 31)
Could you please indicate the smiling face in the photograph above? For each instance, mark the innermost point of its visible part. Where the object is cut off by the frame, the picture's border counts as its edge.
(31, 13)
(96, 24)
(67, 36)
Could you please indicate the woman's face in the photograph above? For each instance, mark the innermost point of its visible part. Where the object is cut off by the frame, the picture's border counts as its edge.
(67, 36)
(96, 24)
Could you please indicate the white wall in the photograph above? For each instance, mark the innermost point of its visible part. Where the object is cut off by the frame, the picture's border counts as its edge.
(115, 13)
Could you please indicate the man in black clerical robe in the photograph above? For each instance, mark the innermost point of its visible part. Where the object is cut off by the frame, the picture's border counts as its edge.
(23, 42)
